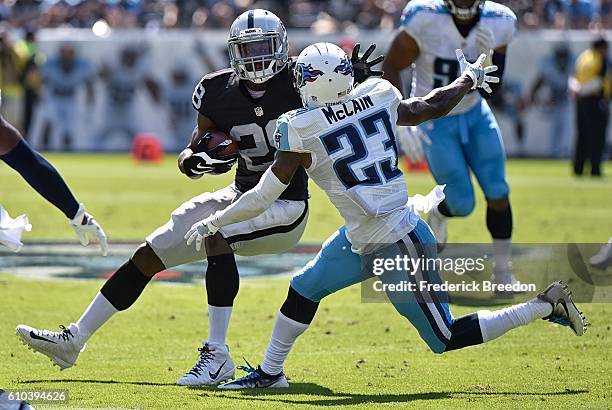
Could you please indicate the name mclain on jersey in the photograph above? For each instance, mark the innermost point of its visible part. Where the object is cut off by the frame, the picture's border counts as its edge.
(223, 98)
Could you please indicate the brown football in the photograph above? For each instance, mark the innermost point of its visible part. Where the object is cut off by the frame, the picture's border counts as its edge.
(218, 145)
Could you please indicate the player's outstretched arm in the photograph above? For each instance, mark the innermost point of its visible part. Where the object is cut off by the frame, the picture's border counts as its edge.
(441, 101)
(47, 181)
(253, 202)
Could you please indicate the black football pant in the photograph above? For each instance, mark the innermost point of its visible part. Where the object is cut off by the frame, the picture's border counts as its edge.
(592, 120)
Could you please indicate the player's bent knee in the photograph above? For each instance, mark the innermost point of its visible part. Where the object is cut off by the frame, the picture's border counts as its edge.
(463, 206)
(217, 245)
(307, 282)
(147, 261)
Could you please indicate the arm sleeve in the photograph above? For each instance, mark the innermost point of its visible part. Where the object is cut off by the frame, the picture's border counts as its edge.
(42, 176)
(252, 202)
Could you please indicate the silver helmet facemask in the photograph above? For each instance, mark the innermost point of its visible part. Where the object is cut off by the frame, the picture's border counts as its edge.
(257, 46)
(464, 13)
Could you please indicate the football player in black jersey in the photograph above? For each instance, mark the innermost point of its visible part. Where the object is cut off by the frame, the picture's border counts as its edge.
(243, 101)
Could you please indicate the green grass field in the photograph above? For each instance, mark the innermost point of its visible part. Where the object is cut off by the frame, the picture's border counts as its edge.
(131, 201)
(354, 354)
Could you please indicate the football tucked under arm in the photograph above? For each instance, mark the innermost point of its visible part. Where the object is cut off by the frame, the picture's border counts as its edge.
(209, 152)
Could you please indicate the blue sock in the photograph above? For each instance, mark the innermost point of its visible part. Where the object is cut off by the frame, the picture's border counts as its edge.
(42, 176)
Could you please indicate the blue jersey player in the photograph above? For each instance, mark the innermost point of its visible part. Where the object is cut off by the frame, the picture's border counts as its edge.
(345, 139)
(468, 139)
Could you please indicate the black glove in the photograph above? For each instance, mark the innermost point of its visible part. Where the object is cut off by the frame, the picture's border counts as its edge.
(194, 165)
(362, 68)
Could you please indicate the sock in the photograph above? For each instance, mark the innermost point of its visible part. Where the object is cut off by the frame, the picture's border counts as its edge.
(496, 323)
(499, 223)
(125, 286)
(222, 280)
(42, 176)
(502, 249)
(443, 209)
(218, 319)
(97, 313)
(285, 332)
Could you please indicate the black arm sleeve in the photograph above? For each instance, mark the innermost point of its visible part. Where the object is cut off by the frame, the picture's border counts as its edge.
(499, 59)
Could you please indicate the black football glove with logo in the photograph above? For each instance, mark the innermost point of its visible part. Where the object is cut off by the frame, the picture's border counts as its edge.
(362, 68)
(196, 160)
(199, 163)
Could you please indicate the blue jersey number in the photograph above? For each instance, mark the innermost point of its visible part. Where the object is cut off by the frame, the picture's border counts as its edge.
(374, 173)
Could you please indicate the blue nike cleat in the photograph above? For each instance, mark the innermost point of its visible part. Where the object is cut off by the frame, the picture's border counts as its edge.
(256, 379)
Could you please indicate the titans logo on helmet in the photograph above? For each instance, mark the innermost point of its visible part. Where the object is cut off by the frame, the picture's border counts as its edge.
(306, 73)
(344, 67)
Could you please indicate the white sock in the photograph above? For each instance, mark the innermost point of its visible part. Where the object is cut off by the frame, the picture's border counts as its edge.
(502, 249)
(496, 323)
(285, 332)
(97, 313)
(218, 319)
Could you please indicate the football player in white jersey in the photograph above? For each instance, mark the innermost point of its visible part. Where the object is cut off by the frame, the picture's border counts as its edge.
(468, 139)
(344, 138)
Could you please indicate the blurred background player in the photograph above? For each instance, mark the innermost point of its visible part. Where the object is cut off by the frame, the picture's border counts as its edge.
(553, 78)
(30, 78)
(12, 58)
(176, 95)
(121, 81)
(245, 102)
(63, 75)
(592, 86)
(468, 139)
(369, 191)
(45, 179)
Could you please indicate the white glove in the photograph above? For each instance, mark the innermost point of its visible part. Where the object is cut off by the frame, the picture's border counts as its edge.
(199, 231)
(477, 73)
(86, 228)
(411, 141)
(485, 41)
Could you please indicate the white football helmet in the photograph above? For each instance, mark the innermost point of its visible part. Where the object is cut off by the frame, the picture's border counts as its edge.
(257, 45)
(323, 75)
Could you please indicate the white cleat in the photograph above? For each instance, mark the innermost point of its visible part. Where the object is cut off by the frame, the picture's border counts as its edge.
(214, 366)
(564, 310)
(603, 258)
(439, 225)
(61, 347)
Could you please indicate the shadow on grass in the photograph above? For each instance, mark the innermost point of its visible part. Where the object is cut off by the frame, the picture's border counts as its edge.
(322, 396)
(331, 398)
(136, 383)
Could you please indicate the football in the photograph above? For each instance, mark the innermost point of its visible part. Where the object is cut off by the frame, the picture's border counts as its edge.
(217, 145)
